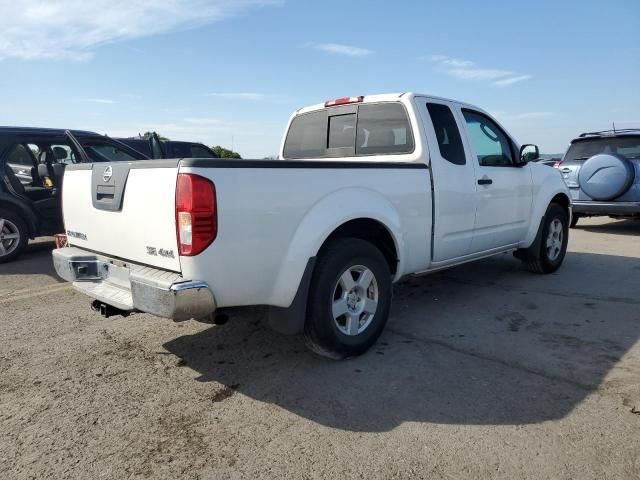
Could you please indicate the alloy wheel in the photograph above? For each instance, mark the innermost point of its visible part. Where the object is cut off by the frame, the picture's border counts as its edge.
(355, 300)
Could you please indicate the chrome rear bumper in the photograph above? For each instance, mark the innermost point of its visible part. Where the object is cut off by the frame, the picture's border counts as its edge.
(132, 287)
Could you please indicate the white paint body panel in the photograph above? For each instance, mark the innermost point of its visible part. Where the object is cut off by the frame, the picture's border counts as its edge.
(271, 221)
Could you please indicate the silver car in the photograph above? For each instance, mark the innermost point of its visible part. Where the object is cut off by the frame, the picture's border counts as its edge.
(602, 171)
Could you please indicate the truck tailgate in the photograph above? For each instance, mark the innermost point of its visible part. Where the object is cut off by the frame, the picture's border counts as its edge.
(124, 210)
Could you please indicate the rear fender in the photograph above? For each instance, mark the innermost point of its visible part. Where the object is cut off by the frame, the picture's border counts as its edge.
(321, 220)
(11, 203)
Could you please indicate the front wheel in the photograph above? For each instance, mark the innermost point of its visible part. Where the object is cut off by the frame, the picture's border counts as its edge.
(349, 299)
(548, 251)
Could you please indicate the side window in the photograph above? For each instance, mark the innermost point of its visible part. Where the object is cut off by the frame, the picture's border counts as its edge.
(307, 136)
(62, 153)
(383, 129)
(447, 133)
(19, 156)
(491, 144)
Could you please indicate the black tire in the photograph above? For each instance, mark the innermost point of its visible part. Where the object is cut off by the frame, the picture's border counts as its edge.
(574, 220)
(539, 258)
(12, 224)
(325, 335)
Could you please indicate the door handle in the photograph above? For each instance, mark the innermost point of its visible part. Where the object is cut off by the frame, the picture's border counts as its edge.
(485, 181)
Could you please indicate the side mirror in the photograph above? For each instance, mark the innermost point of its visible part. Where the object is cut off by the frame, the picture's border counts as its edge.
(528, 153)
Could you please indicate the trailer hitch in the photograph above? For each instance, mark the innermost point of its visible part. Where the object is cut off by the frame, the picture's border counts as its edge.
(108, 310)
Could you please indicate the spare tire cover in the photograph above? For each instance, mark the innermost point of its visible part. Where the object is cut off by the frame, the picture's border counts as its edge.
(606, 176)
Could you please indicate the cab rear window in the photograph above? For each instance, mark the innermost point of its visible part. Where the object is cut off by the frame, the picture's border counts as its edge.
(373, 129)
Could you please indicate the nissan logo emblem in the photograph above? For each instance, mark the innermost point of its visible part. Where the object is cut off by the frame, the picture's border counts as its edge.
(108, 173)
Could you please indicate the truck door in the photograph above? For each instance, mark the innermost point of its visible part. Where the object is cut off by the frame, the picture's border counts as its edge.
(504, 191)
(454, 181)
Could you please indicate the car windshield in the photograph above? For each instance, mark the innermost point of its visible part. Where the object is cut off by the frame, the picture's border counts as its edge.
(628, 147)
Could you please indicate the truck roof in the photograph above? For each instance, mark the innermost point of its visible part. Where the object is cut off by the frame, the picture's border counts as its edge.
(387, 97)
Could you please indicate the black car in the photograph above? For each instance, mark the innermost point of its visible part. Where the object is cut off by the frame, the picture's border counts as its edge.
(154, 147)
(32, 163)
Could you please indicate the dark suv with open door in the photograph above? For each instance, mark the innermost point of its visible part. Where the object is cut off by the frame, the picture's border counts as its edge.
(32, 163)
(602, 171)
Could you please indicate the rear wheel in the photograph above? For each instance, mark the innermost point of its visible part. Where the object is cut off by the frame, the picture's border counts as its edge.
(548, 252)
(349, 299)
(13, 236)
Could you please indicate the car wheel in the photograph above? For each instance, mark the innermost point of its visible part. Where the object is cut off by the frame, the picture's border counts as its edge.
(548, 252)
(13, 236)
(574, 220)
(349, 299)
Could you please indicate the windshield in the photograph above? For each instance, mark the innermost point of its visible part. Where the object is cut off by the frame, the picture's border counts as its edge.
(628, 147)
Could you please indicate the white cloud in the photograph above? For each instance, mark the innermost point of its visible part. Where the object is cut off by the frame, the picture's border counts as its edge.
(511, 80)
(238, 96)
(105, 101)
(340, 49)
(455, 62)
(73, 29)
(478, 73)
(467, 70)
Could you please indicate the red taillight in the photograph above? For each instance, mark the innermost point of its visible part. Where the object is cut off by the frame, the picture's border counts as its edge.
(196, 214)
(557, 164)
(343, 101)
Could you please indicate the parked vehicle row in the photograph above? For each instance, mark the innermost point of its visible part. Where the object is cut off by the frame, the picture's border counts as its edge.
(366, 190)
(156, 147)
(32, 165)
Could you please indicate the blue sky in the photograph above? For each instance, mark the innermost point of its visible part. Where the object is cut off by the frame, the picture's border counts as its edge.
(213, 70)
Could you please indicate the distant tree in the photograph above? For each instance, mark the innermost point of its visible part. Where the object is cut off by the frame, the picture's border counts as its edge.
(225, 152)
(147, 136)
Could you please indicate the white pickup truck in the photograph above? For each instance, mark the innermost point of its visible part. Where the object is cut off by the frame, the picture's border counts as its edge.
(366, 191)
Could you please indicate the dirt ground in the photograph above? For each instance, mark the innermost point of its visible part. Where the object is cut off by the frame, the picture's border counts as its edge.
(484, 371)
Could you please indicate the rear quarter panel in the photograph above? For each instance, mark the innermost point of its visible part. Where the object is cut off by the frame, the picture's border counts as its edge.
(272, 220)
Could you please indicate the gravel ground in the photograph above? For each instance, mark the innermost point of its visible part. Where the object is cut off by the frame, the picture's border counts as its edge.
(484, 371)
